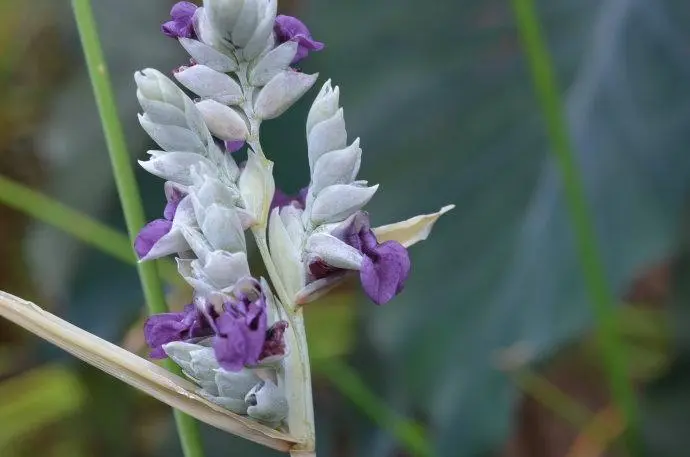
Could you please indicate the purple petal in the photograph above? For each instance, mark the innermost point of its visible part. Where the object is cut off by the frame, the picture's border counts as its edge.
(241, 332)
(238, 344)
(290, 28)
(383, 276)
(174, 200)
(164, 328)
(149, 236)
(161, 329)
(287, 27)
(197, 322)
(183, 10)
(181, 25)
(281, 199)
(230, 346)
(233, 146)
(355, 230)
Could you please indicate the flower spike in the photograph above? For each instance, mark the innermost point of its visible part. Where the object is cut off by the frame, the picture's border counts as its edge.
(242, 346)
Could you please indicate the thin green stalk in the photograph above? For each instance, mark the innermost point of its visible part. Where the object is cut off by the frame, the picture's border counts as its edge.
(409, 434)
(127, 188)
(601, 296)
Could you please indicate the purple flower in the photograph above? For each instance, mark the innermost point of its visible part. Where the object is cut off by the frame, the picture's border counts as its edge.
(161, 329)
(281, 199)
(234, 146)
(182, 23)
(241, 329)
(288, 28)
(157, 229)
(385, 266)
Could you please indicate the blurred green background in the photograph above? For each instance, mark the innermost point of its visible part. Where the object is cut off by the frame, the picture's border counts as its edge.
(489, 352)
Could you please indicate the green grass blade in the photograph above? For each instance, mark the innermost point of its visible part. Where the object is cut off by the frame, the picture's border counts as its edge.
(48, 210)
(600, 294)
(127, 188)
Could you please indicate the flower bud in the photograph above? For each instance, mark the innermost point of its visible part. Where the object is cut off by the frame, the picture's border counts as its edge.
(180, 353)
(223, 229)
(206, 55)
(208, 83)
(276, 61)
(162, 113)
(257, 186)
(292, 220)
(223, 15)
(336, 167)
(328, 135)
(267, 403)
(223, 121)
(154, 85)
(281, 92)
(333, 251)
(285, 254)
(209, 190)
(233, 387)
(246, 23)
(172, 137)
(262, 37)
(177, 166)
(217, 274)
(325, 105)
(336, 203)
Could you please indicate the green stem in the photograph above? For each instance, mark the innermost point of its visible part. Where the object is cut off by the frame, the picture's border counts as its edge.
(600, 294)
(127, 188)
(409, 434)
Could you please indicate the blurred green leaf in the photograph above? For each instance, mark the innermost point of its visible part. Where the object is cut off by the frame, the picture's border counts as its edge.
(441, 98)
(666, 400)
(36, 399)
(330, 324)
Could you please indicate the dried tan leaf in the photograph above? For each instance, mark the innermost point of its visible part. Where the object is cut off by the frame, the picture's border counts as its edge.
(411, 231)
(137, 372)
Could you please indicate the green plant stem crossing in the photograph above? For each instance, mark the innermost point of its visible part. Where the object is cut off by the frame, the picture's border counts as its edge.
(600, 294)
(128, 189)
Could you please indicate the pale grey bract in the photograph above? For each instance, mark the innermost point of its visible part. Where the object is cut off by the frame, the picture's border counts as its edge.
(242, 345)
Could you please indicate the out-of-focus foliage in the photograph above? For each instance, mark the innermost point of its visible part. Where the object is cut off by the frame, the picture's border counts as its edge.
(441, 97)
(34, 401)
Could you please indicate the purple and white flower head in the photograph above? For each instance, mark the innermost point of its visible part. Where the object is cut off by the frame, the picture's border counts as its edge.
(242, 346)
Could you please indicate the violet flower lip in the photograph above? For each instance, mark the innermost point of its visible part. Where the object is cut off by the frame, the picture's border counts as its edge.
(289, 28)
(181, 24)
